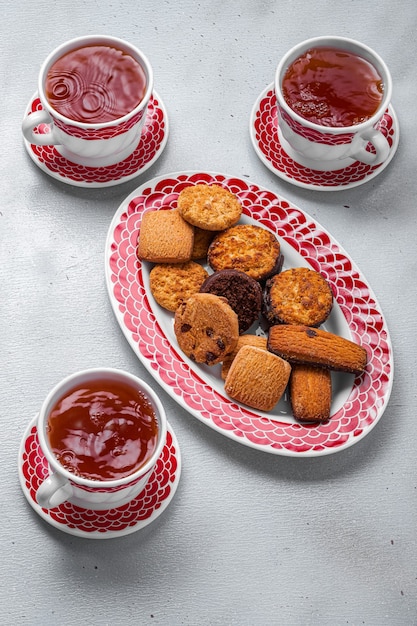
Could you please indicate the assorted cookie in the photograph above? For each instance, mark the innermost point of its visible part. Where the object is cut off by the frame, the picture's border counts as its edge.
(202, 241)
(213, 311)
(310, 393)
(206, 328)
(248, 248)
(209, 207)
(257, 378)
(297, 296)
(243, 293)
(314, 346)
(165, 237)
(173, 283)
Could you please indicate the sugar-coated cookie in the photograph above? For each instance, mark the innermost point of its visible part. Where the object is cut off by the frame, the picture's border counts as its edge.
(209, 207)
(297, 296)
(206, 328)
(248, 248)
(257, 378)
(165, 237)
(173, 283)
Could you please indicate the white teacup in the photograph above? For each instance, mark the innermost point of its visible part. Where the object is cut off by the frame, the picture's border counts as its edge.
(329, 148)
(90, 144)
(62, 484)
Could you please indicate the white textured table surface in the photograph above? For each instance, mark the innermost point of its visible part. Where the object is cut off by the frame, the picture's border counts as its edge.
(250, 538)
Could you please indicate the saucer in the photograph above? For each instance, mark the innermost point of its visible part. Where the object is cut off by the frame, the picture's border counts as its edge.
(117, 522)
(263, 128)
(150, 147)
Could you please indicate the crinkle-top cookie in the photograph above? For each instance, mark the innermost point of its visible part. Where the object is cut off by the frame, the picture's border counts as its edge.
(173, 283)
(209, 207)
(298, 296)
(248, 248)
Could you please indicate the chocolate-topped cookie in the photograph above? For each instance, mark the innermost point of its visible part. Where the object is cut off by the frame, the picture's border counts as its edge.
(243, 293)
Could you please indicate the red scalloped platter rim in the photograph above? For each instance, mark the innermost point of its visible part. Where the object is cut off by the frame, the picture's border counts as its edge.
(140, 321)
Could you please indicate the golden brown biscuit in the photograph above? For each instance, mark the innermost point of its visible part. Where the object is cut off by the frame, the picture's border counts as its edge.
(245, 247)
(206, 328)
(297, 296)
(302, 344)
(257, 378)
(209, 207)
(173, 283)
(244, 340)
(310, 393)
(165, 237)
(202, 240)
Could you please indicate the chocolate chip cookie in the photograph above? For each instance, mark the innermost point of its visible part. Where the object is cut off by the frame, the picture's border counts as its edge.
(206, 328)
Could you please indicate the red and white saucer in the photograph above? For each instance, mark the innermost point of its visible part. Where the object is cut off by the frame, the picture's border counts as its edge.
(117, 522)
(263, 128)
(150, 147)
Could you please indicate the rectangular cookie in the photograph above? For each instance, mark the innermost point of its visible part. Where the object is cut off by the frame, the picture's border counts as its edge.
(303, 344)
(310, 393)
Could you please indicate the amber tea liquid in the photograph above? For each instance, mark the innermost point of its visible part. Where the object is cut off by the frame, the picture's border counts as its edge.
(333, 87)
(95, 84)
(103, 430)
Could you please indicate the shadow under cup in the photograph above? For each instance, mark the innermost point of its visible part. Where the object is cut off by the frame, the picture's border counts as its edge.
(329, 148)
(62, 485)
(92, 144)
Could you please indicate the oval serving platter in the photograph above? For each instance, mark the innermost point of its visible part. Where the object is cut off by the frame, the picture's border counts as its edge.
(358, 402)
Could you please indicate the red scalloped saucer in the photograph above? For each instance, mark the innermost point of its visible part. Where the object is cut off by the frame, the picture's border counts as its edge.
(263, 128)
(150, 147)
(117, 522)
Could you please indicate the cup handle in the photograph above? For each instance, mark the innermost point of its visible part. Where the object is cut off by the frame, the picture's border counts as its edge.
(32, 121)
(379, 142)
(53, 491)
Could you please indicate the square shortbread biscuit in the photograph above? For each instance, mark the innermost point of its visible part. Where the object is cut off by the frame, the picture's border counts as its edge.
(165, 237)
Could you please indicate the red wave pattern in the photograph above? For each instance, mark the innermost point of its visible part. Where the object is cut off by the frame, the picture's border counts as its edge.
(35, 469)
(370, 391)
(266, 135)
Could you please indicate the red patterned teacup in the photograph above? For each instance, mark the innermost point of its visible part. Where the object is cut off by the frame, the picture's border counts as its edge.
(109, 439)
(323, 147)
(93, 143)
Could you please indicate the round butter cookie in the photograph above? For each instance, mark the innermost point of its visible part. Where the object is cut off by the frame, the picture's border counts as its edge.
(248, 248)
(297, 296)
(209, 207)
(206, 328)
(243, 293)
(173, 283)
